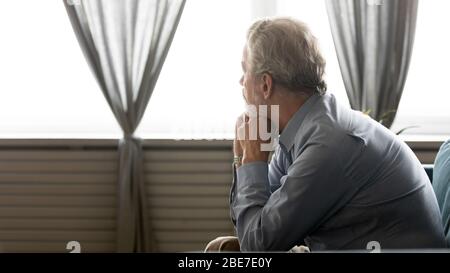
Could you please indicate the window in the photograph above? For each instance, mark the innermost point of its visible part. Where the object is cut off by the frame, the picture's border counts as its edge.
(47, 89)
(424, 104)
(206, 103)
(198, 93)
(426, 98)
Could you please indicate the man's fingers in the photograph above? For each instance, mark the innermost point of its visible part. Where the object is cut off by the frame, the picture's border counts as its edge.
(240, 120)
(248, 127)
(242, 131)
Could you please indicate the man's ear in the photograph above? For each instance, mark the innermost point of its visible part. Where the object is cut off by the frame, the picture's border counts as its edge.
(267, 83)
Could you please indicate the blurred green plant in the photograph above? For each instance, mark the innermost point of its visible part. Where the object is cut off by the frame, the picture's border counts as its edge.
(388, 116)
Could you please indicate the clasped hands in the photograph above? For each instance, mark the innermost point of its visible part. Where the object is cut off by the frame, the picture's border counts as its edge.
(247, 143)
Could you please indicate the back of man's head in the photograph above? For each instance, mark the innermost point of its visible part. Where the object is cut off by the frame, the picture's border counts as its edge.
(286, 48)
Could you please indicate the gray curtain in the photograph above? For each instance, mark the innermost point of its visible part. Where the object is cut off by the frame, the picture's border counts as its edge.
(125, 43)
(374, 41)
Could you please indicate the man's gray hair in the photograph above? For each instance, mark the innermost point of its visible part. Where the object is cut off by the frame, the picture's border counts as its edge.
(286, 49)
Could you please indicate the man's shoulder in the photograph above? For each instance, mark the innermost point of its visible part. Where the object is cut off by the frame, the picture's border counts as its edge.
(336, 127)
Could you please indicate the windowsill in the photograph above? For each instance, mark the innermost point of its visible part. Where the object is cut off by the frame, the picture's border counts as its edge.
(424, 138)
(421, 142)
(11, 143)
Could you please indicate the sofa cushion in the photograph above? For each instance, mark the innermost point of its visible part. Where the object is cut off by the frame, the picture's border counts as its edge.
(441, 185)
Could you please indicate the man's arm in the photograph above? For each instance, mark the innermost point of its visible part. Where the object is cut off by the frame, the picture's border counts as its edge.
(274, 176)
(276, 169)
(313, 189)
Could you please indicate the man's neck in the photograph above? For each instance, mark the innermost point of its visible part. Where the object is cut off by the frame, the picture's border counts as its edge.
(288, 108)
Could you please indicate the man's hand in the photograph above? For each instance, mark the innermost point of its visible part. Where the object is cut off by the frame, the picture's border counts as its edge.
(249, 142)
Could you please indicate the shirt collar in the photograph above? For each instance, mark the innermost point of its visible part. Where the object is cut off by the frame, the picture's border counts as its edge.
(287, 137)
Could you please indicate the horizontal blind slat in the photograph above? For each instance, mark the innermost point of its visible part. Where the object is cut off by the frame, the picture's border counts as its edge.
(66, 155)
(55, 247)
(58, 166)
(55, 200)
(187, 167)
(57, 212)
(187, 202)
(47, 189)
(57, 235)
(188, 156)
(188, 179)
(204, 213)
(58, 178)
(61, 224)
(189, 190)
(192, 224)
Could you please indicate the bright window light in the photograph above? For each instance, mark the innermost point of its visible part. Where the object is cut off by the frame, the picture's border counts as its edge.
(198, 93)
(47, 89)
(426, 98)
(205, 99)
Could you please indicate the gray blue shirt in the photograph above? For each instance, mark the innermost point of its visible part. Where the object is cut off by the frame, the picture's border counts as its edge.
(337, 180)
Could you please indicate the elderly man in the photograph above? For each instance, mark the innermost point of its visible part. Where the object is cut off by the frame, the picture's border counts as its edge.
(338, 179)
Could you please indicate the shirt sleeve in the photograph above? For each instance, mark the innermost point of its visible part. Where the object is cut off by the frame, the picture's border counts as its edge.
(232, 196)
(313, 189)
(275, 174)
(276, 168)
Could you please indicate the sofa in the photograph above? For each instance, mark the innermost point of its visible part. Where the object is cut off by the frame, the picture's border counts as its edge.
(439, 174)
